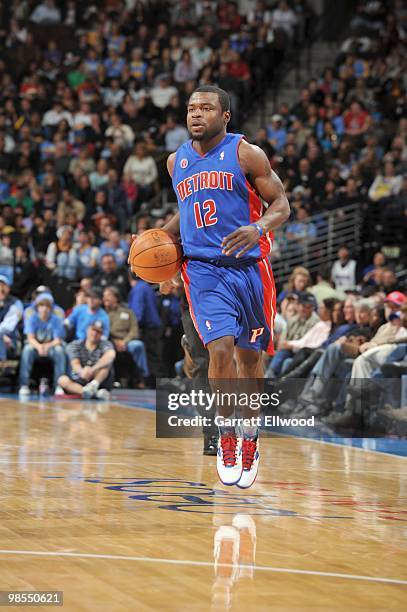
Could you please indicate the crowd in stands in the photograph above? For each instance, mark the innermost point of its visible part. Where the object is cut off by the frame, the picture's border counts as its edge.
(92, 101)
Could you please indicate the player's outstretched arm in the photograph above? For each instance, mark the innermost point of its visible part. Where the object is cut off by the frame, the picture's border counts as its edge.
(265, 181)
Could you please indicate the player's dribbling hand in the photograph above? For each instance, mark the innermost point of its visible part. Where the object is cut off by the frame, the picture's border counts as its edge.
(241, 240)
(133, 238)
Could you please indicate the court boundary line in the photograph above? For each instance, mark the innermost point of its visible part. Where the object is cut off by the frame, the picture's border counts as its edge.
(263, 568)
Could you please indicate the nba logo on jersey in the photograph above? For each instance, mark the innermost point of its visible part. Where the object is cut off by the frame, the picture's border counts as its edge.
(222, 156)
(208, 324)
(183, 163)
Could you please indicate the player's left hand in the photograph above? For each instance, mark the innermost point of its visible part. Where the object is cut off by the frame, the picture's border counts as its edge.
(241, 240)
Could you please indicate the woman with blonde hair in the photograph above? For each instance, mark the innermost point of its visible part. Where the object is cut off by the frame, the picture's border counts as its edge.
(299, 281)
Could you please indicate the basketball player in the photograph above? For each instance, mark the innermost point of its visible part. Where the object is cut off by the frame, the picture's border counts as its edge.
(226, 237)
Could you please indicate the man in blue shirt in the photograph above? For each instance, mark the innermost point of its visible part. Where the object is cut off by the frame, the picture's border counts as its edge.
(11, 311)
(30, 309)
(143, 302)
(85, 314)
(45, 334)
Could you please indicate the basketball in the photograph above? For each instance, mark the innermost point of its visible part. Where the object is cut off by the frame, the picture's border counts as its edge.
(155, 256)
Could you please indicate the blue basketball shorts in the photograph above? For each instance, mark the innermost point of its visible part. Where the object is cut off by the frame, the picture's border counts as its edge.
(238, 301)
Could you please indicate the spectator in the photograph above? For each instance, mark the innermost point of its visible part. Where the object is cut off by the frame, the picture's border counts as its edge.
(298, 282)
(61, 257)
(46, 13)
(6, 257)
(143, 302)
(343, 272)
(11, 312)
(88, 255)
(115, 246)
(276, 134)
(45, 333)
(142, 169)
(111, 274)
(357, 120)
(185, 69)
(174, 134)
(90, 365)
(323, 288)
(124, 332)
(162, 92)
(82, 316)
(25, 273)
(30, 309)
(69, 205)
(284, 18)
(386, 184)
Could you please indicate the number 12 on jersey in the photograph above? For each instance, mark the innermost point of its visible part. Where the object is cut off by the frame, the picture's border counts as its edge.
(209, 213)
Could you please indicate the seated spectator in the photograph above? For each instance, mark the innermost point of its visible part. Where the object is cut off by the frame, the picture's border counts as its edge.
(162, 92)
(67, 205)
(284, 18)
(115, 246)
(45, 333)
(301, 232)
(323, 287)
(297, 327)
(388, 282)
(276, 133)
(25, 274)
(46, 13)
(6, 257)
(298, 282)
(99, 177)
(185, 69)
(357, 120)
(142, 169)
(174, 134)
(83, 315)
(314, 337)
(124, 332)
(90, 365)
(143, 302)
(386, 183)
(11, 312)
(61, 257)
(88, 255)
(112, 275)
(343, 273)
(372, 274)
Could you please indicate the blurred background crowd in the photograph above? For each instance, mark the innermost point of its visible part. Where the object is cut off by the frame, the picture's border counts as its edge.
(92, 101)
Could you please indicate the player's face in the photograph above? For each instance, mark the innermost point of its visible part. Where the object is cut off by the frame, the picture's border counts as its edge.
(205, 118)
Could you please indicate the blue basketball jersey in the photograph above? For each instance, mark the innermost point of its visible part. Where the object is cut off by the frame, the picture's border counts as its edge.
(214, 199)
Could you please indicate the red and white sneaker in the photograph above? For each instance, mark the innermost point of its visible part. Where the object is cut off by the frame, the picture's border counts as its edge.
(250, 462)
(229, 459)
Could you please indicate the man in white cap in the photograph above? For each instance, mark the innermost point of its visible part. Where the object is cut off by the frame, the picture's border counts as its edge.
(11, 311)
(45, 333)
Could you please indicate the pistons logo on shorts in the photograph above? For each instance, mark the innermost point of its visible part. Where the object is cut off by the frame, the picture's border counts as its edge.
(183, 163)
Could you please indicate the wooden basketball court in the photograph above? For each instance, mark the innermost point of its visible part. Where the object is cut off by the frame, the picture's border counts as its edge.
(92, 504)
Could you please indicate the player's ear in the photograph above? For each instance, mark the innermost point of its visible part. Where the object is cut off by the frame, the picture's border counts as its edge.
(226, 116)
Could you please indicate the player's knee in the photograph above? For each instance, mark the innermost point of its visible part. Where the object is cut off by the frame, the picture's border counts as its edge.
(220, 353)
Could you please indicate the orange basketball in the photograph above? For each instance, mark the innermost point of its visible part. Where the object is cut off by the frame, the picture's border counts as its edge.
(155, 256)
